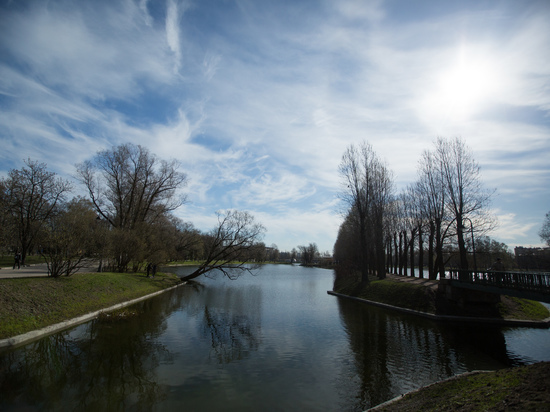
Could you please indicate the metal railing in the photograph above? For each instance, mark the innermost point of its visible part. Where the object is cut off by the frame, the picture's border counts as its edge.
(527, 281)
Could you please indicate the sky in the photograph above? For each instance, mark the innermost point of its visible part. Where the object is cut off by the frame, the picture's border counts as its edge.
(258, 100)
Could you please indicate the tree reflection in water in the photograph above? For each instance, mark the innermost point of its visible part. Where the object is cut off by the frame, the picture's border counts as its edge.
(109, 366)
(232, 320)
(388, 347)
(275, 342)
(106, 365)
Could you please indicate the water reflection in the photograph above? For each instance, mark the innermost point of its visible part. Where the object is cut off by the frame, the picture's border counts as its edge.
(100, 365)
(394, 354)
(232, 321)
(275, 341)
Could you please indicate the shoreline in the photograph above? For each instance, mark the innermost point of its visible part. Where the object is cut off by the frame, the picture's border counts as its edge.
(28, 337)
(541, 324)
(400, 397)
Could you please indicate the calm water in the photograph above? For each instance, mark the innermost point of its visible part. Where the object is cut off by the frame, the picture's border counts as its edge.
(275, 341)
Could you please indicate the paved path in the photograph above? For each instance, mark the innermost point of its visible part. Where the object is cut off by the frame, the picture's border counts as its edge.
(433, 284)
(25, 272)
(30, 271)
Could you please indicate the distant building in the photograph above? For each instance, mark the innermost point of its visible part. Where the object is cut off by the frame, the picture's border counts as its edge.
(533, 258)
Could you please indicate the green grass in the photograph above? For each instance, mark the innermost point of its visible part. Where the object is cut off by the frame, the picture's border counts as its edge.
(401, 294)
(27, 304)
(520, 388)
(185, 263)
(522, 309)
(484, 391)
(420, 298)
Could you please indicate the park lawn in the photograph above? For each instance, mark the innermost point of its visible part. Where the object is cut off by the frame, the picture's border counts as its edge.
(28, 304)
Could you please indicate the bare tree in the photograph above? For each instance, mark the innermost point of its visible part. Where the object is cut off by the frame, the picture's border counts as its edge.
(432, 201)
(31, 197)
(129, 185)
(230, 247)
(412, 222)
(368, 191)
(68, 238)
(467, 199)
(132, 190)
(188, 243)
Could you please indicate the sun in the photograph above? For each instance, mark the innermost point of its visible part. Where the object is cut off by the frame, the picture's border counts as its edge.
(461, 89)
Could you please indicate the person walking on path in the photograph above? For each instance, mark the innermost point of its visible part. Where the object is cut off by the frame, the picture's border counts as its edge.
(17, 260)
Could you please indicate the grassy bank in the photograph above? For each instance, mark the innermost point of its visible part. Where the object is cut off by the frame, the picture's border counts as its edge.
(27, 304)
(386, 291)
(424, 299)
(522, 388)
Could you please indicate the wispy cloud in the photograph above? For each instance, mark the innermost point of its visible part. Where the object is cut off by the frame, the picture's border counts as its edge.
(258, 100)
(512, 228)
(173, 13)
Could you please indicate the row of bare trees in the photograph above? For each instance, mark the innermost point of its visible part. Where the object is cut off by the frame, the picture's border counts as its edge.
(126, 221)
(445, 208)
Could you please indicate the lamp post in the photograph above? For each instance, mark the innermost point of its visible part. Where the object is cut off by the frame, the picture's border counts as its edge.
(473, 242)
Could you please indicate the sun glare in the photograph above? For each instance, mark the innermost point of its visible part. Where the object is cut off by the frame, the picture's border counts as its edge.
(461, 90)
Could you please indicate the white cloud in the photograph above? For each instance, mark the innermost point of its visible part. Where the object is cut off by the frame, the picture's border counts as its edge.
(172, 30)
(96, 53)
(511, 227)
(259, 102)
(267, 190)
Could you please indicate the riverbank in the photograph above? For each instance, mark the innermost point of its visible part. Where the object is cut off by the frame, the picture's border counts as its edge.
(420, 297)
(523, 388)
(28, 304)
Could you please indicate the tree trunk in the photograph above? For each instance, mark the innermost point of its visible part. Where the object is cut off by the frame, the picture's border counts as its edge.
(396, 254)
(420, 253)
(440, 265)
(389, 255)
(412, 251)
(400, 253)
(405, 252)
(380, 258)
(431, 263)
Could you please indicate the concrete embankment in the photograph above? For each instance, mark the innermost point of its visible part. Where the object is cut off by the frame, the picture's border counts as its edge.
(446, 318)
(37, 334)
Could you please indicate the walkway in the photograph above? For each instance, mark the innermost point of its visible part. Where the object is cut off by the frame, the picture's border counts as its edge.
(432, 284)
(30, 271)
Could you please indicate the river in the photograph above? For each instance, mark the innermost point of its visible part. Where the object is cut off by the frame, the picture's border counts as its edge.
(274, 341)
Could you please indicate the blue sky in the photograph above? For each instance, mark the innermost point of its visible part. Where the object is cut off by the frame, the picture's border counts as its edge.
(259, 99)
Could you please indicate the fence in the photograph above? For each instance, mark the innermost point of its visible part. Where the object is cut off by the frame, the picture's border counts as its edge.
(526, 281)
